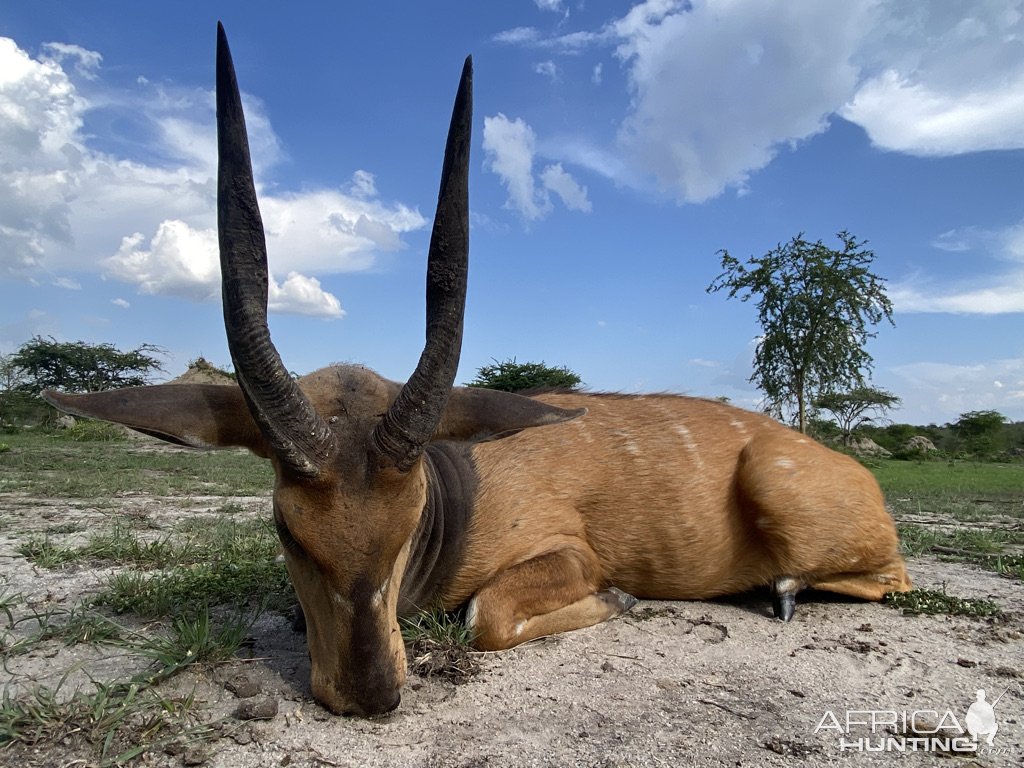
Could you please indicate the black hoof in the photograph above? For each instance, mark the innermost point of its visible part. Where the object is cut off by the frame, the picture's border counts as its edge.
(784, 606)
(784, 597)
(622, 600)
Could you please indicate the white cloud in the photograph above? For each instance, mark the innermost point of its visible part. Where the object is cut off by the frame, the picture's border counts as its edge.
(122, 303)
(510, 146)
(719, 88)
(363, 184)
(548, 69)
(940, 391)
(181, 261)
(901, 114)
(67, 284)
(557, 6)
(86, 62)
(518, 36)
(995, 294)
(943, 79)
(300, 295)
(989, 300)
(65, 204)
(571, 193)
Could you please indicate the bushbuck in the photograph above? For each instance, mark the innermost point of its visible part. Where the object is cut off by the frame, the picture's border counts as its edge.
(537, 515)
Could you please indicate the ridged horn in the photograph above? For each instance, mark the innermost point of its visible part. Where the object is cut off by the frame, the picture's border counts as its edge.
(412, 419)
(296, 433)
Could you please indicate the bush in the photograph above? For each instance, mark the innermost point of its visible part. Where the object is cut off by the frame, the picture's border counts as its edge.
(511, 376)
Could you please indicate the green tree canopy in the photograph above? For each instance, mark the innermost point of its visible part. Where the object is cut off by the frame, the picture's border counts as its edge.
(980, 431)
(512, 376)
(851, 409)
(816, 306)
(79, 367)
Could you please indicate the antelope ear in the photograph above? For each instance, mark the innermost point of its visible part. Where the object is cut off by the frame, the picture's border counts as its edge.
(474, 413)
(195, 415)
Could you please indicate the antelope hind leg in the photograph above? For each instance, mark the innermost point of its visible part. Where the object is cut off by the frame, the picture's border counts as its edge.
(553, 593)
(867, 586)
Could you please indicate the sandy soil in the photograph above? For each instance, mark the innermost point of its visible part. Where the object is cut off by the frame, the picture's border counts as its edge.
(703, 684)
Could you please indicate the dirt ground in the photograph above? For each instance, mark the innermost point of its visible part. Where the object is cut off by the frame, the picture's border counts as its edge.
(702, 683)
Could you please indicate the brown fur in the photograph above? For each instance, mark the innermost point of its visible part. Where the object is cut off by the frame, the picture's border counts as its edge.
(668, 497)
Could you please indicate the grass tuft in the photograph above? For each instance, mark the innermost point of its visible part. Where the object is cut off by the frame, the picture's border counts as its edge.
(195, 640)
(930, 602)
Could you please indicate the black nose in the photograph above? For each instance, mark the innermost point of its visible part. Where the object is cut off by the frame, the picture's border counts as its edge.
(378, 702)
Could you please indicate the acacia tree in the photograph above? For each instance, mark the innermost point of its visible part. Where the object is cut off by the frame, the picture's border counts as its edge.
(79, 367)
(851, 409)
(816, 306)
(512, 376)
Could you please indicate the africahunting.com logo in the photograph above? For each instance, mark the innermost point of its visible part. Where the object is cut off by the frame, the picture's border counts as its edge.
(917, 730)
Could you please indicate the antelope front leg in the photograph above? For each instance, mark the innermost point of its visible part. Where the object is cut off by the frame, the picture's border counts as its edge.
(553, 593)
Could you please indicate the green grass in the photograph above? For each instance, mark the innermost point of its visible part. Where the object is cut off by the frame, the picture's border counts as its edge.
(930, 602)
(436, 626)
(118, 722)
(226, 561)
(958, 510)
(51, 466)
(77, 625)
(963, 490)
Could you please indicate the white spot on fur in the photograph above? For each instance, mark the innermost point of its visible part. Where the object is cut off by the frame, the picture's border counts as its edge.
(520, 626)
(379, 596)
(784, 463)
(690, 443)
(471, 615)
(632, 448)
(787, 584)
(739, 426)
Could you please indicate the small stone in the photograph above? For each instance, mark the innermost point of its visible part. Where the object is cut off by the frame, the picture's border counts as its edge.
(195, 756)
(607, 667)
(243, 687)
(257, 708)
(966, 663)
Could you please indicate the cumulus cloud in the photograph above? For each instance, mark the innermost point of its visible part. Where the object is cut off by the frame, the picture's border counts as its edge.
(719, 88)
(182, 261)
(943, 80)
(510, 146)
(66, 201)
(301, 295)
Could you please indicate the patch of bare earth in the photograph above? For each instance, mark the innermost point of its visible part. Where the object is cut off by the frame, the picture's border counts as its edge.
(703, 684)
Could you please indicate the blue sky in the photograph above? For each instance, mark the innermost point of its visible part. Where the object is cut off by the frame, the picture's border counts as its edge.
(617, 148)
